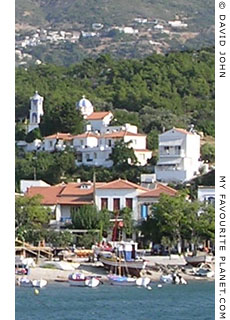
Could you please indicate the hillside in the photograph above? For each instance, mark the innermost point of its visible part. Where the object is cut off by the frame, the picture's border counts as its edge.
(85, 12)
(40, 22)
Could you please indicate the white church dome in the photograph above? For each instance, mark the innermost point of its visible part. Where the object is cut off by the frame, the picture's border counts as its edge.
(85, 106)
(84, 103)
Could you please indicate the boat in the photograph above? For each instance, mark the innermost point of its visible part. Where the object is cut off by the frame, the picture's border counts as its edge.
(121, 280)
(143, 281)
(81, 280)
(166, 278)
(197, 260)
(205, 270)
(125, 257)
(39, 283)
(25, 282)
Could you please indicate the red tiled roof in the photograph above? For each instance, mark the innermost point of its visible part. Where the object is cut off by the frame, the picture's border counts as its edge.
(58, 135)
(98, 115)
(182, 130)
(121, 184)
(142, 150)
(75, 200)
(121, 134)
(160, 188)
(86, 135)
(49, 194)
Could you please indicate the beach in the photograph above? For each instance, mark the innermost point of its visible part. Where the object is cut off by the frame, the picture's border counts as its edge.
(96, 269)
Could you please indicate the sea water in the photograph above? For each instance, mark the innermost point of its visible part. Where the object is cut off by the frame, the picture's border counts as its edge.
(171, 302)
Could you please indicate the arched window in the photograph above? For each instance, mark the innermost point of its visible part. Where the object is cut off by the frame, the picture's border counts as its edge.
(34, 118)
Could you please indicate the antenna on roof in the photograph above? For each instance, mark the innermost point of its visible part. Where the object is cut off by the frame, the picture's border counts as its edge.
(191, 128)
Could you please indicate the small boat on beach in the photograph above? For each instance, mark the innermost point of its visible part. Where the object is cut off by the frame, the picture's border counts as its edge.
(25, 282)
(81, 280)
(39, 283)
(121, 280)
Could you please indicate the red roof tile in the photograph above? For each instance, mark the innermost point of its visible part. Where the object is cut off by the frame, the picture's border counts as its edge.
(121, 184)
(98, 115)
(62, 136)
(160, 188)
(86, 135)
(49, 194)
(121, 134)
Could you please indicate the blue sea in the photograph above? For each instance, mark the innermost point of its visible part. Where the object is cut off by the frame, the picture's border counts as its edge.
(59, 301)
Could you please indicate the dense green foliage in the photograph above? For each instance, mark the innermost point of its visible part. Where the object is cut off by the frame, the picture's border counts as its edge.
(174, 220)
(158, 91)
(30, 219)
(208, 152)
(122, 154)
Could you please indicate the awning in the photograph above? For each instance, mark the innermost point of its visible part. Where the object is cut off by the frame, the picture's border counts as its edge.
(177, 142)
(168, 162)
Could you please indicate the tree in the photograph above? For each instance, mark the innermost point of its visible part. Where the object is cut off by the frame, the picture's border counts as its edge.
(31, 218)
(208, 152)
(122, 155)
(33, 134)
(126, 215)
(87, 217)
(62, 118)
(59, 239)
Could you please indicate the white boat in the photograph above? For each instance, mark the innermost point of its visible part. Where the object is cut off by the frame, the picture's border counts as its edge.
(39, 283)
(121, 280)
(197, 260)
(144, 281)
(92, 283)
(166, 278)
(25, 282)
(81, 280)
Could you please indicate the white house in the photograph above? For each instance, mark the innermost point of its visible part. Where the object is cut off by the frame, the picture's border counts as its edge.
(94, 146)
(179, 153)
(113, 196)
(36, 111)
(206, 194)
(99, 121)
(117, 194)
(57, 142)
(25, 184)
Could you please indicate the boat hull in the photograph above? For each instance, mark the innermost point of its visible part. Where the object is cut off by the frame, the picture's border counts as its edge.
(132, 268)
(121, 281)
(197, 260)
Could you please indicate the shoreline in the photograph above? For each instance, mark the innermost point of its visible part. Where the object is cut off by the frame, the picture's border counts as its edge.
(96, 269)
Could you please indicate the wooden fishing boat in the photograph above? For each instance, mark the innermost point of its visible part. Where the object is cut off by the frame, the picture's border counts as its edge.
(197, 260)
(127, 267)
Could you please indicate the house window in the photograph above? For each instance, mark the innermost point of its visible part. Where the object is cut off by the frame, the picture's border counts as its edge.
(95, 155)
(104, 203)
(129, 203)
(177, 149)
(51, 143)
(79, 157)
(82, 142)
(116, 204)
(110, 143)
(166, 149)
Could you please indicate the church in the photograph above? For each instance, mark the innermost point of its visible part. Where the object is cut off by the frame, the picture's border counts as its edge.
(93, 146)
